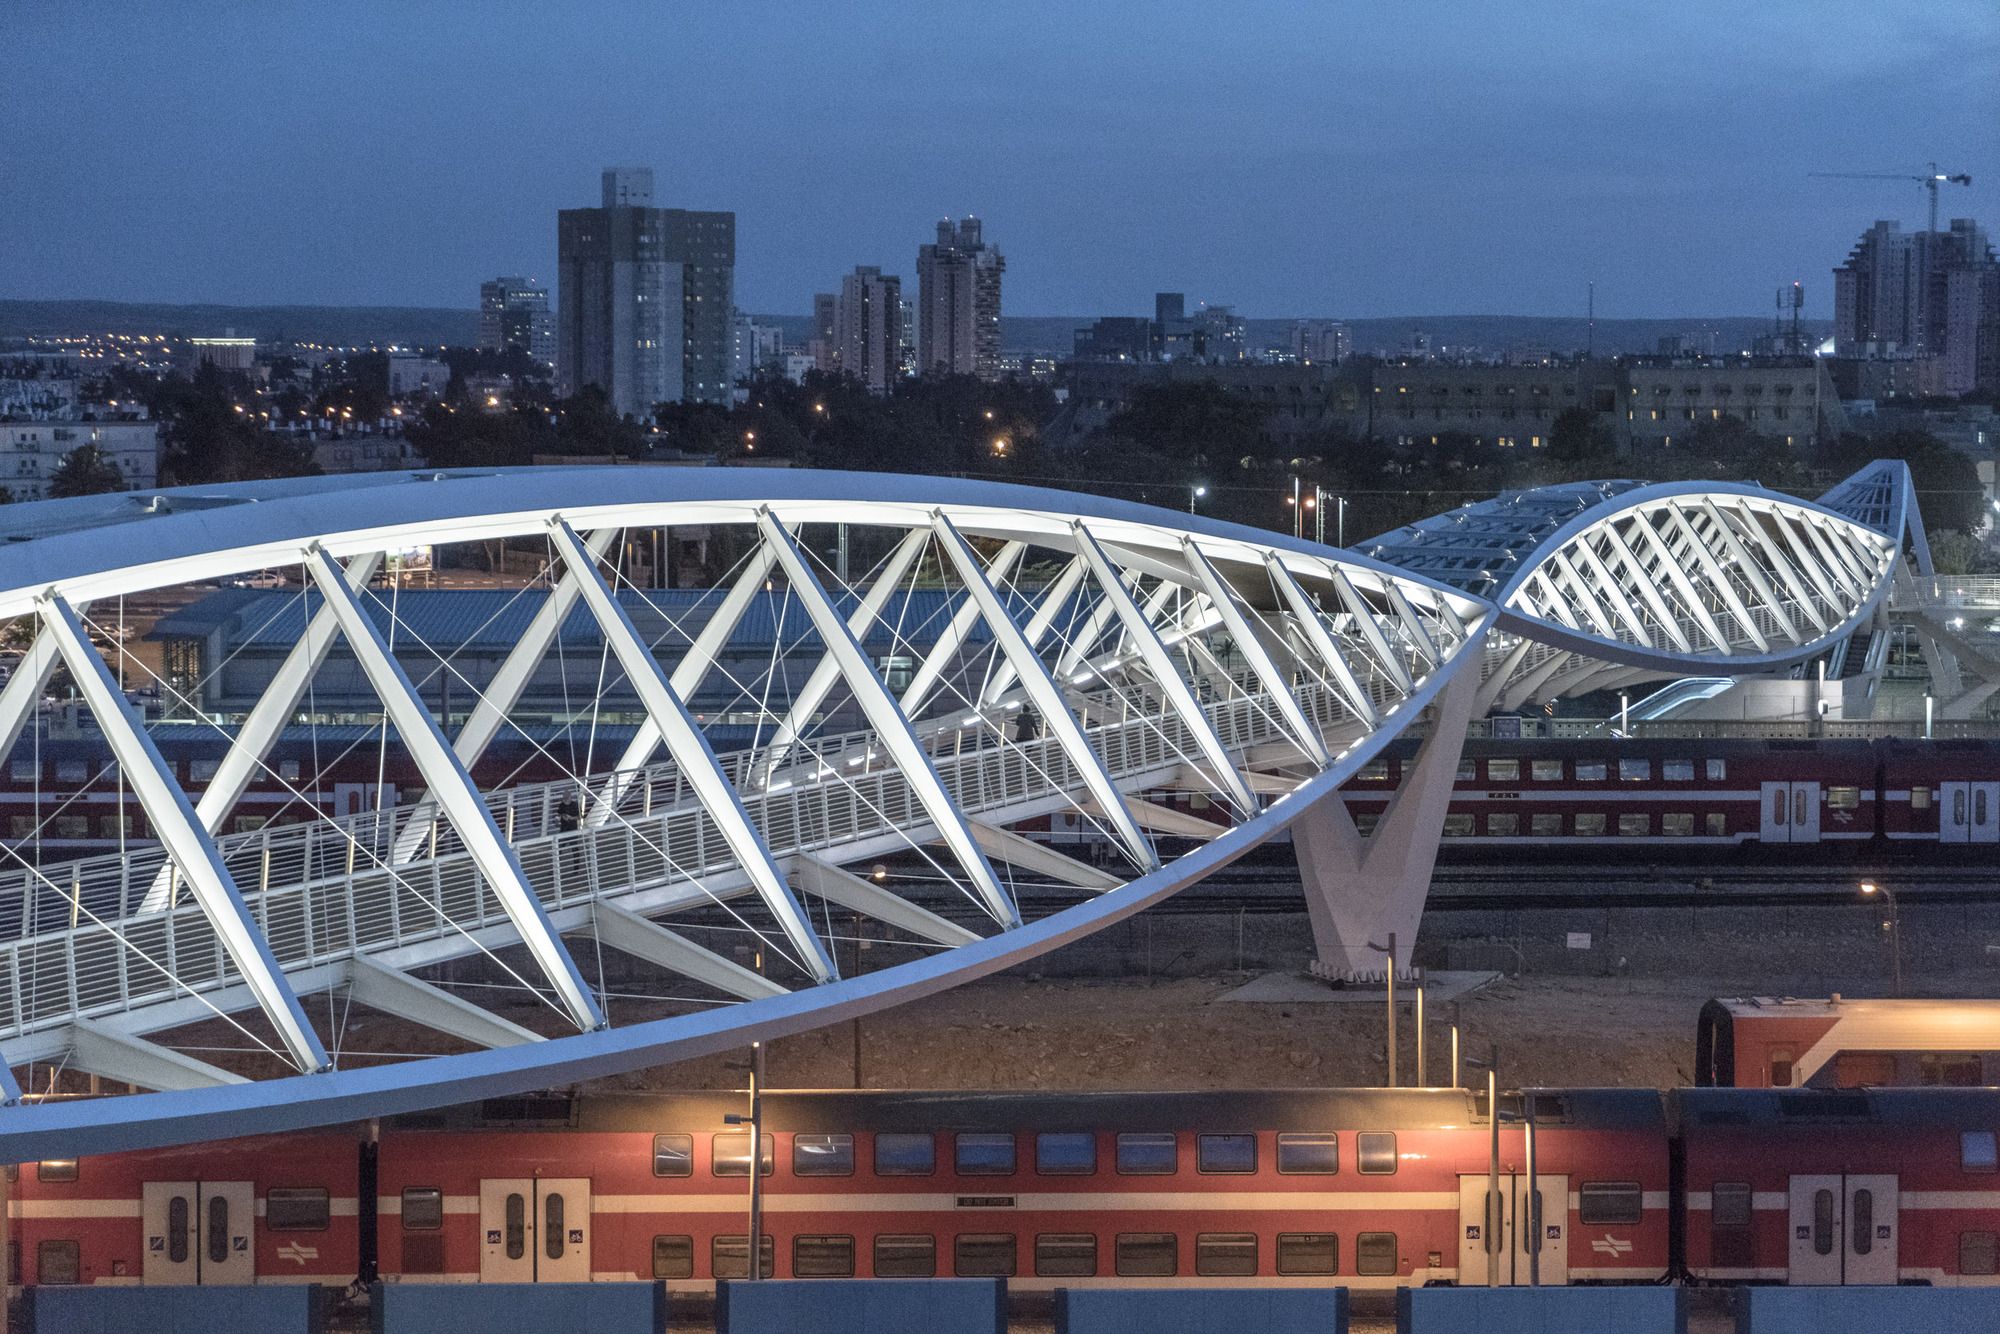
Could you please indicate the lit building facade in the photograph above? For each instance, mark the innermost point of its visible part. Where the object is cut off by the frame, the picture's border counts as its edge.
(958, 302)
(514, 313)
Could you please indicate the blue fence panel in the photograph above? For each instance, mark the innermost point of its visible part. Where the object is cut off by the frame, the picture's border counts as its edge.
(1874, 1310)
(464, 1308)
(1201, 1310)
(861, 1306)
(290, 1309)
(1650, 1310)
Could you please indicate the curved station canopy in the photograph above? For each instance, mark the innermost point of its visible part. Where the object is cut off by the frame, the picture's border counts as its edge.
(902, 733)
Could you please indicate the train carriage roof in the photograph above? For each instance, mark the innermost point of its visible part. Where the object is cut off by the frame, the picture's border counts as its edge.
(1934, 1108)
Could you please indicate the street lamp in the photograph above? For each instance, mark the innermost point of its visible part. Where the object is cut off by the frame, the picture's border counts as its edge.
(1195, 493)
(1894, 926)
(755, 1121)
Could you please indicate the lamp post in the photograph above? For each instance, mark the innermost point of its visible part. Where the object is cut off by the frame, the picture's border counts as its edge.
(1493, 1214)
(1895, 924)
(1195, 493)
(755, 1120)
(1389, 975)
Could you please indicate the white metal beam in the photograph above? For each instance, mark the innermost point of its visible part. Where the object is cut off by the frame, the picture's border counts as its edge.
(10, 1087)
(23, 693)
(1160, 662)
(393, 991)
(1718, 577)
(690, 750)
(1607, 585)
(1169, 820)
(1753, 573)
(1054, 598)
(687, 676)
(1639, 577)
(827, 670)
(893, 729)
(1787, 571)
(452, 788)
(1250, 644)
(629, 933)
(109, 1054)
(1306, 616)
(1043, 692)
(1029, 855)
(1363, 615)
(858, 894)
(176, 826)
(939, 657)
(1665, 563)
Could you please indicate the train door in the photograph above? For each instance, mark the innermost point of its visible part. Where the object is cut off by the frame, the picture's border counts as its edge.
(534, 1230)
(1790, 813)
(1843, 1230)
(1507, 1235)
(1969, 812)
(199, 1232)
(360, 798)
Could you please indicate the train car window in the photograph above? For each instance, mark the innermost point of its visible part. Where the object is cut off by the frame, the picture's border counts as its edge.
(983, 1155)
(56, 1169)
(218, 1229)
(1226, 1153)
(823, 1257)
(1677, 771)
(1920, 798)
(1590, 825)
(1308, 1253)
(673, 1257)
(1862, 1226)
(729, 1257)
(900, 1154)
(1717, 823)
(178, 1229)
(1545, 825)
(1375, 771)
(1375, 1152)
(1375, 1253)
(1610, 1202)
(24, 771)
(1635, 824)
(423, 1209)
(1458, 826)
(983, 1255)
(1942, 1069)
(1066, 1255)
(1592, 771)
(1309, 1155)
(297, 1209)
(1364, 824)
(22, 826)
(74, 771)
(1717, 770)
(1979, 1253)
(114, 826)
(1730, 1237)
(1781, 1059)
(201, 771)
(59, 1262)
(730, 1154)
(905, 1256)
(1843, 798)
(1822, 1224)
(1468, 771)
(1147, 1255)
(14, 1262)
(1226, 1254)
(1635, 771)
(1677, 824)
(552, 1225)
(822, 1155)
(1542, 771)
(1503, 824)
(516, 1222)
(1550, 1108)
(1147, 1154)
(288, 770)
(673, 1155)
(1976, 1151)
(1066, 1153)
(1503, 771)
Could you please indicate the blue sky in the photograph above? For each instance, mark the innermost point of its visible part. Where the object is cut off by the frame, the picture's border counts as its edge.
(1306, 158)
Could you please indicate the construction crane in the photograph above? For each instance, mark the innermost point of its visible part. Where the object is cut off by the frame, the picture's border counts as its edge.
(1930, 181)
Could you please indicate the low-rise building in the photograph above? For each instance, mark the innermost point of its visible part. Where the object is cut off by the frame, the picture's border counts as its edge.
(31, 451)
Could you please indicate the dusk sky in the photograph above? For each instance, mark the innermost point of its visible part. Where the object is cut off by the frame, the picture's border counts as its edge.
(1291, 159)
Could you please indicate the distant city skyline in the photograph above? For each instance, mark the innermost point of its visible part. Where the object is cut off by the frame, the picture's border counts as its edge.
(1286, 160)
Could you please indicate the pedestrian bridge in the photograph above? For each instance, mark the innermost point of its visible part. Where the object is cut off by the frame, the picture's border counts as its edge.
(1175, 689)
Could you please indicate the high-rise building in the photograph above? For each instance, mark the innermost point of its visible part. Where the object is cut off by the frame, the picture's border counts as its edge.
(1891, 297)
(514, 313)
(1321, 342)
(958, 302)
(868, 327)
(824, 345)
(644, 298)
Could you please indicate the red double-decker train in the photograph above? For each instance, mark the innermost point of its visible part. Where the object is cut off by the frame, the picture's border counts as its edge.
(1371, 1189)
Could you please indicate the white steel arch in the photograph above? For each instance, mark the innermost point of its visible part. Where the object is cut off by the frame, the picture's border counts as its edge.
(1087, 660)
